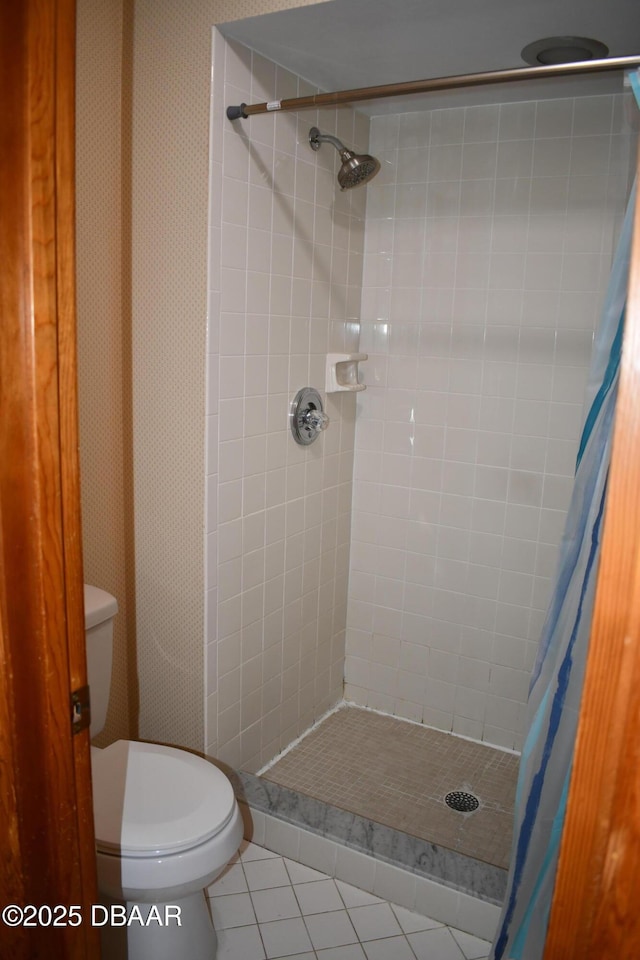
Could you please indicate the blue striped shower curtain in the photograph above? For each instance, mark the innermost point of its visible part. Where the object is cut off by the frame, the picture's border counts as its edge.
(557, 679)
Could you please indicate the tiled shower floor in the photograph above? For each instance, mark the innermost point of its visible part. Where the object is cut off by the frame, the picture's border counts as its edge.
(398, 773)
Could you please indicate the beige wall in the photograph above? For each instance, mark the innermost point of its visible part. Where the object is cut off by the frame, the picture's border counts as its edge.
(103, 335)
(142, 384)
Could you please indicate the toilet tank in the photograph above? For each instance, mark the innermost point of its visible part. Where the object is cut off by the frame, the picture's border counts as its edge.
(99, 610)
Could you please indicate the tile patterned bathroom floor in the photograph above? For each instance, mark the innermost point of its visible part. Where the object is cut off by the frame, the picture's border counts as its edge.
(267, 907)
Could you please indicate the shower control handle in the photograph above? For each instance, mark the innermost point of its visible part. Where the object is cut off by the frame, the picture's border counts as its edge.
(315, 420)
(307, 417)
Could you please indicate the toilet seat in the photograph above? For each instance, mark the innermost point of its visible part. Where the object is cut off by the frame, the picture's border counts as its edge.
(151, 800)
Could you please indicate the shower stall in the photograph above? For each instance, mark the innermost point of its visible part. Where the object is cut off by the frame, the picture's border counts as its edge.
(391, 580)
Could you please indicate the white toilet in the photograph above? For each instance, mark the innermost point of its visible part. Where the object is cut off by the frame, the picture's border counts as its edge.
(166, 824)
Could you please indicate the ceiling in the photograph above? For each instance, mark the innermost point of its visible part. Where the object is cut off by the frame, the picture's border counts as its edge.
(344, 44)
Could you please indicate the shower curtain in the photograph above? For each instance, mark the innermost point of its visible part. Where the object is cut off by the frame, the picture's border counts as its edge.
(557, 679)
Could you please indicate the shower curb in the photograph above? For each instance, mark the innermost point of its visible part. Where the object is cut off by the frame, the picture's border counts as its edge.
(419, 857)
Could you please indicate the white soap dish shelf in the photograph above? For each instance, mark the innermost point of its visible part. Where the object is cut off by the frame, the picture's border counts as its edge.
(342, 372)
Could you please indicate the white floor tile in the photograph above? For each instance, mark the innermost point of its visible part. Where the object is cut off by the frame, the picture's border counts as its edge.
(277, 903)
(330, 929)
(321, 896)
(393, 948)
(235, 910)
(299, 873)
(375, 922)
(354, 897)
(282, 938)
(262, 874)
(253, 852)
(257, 905)
(353, 951)
(232, 880)
(297, 956)
(435, 943)
(472, 947)
(414, 922)
(240, 943)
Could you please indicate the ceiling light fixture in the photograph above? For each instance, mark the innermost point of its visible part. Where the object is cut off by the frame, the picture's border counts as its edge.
(553, 50)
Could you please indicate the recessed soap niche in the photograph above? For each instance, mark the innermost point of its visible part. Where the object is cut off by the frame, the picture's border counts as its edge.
(342, 372)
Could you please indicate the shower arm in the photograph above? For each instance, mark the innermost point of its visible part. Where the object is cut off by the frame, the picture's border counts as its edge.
(244, 110)
(317, 138)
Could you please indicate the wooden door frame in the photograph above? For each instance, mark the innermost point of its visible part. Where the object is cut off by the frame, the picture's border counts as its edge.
(595, 913)
(46, 815)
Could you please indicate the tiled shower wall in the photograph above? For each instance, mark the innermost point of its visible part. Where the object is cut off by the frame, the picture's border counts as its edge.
(285, 280)
(489, 240)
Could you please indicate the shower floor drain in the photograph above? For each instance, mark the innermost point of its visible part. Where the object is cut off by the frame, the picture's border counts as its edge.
(461, 801)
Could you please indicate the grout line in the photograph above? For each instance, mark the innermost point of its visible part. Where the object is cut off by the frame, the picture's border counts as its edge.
(433, 925)
(299, 739)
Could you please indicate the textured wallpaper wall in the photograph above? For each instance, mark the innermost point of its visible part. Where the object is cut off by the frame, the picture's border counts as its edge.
(172, 70)
(104, 404)
(141, 320)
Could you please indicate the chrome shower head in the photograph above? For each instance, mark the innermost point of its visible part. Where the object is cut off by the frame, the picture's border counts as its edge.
(356, 168)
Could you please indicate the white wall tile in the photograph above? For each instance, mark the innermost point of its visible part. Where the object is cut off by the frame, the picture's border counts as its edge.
(480, 312)
(479, 329)
(277, 216)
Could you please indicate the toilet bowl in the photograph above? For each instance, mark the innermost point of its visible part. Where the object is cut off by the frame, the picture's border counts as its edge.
(166, 825)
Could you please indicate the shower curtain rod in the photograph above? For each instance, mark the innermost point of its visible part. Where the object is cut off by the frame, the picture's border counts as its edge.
(427, 86)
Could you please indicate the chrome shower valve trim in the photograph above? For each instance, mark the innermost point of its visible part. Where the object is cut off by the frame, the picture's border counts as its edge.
(307, 418)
